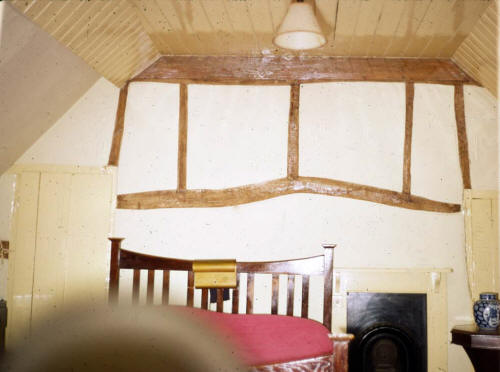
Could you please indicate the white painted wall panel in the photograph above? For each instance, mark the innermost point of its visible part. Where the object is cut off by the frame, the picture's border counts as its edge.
(148, 158)
(236, 135)
(481, 113)
(353, 132)
(82, 136)
(59, 244)
(435, 166)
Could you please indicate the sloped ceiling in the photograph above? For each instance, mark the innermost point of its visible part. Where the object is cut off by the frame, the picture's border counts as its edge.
(108, 35)
(40, 80)
(477, 55)
(119, 38)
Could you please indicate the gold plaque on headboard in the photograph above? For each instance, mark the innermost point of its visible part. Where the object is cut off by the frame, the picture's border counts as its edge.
(214, 273)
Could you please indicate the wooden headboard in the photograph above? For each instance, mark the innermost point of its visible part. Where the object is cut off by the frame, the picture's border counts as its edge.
(305, 267)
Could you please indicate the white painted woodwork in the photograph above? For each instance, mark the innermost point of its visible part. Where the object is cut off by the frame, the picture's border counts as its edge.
(59, 252)
(409, 280)
(481, 241)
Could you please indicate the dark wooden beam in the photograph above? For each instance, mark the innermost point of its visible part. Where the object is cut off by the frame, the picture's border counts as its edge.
(293, 133)
(4, 249)
(271, 189)
(114, 154)
(114, 270)
(182, 145)
(463, 146)
(410, 89)
(288, 69)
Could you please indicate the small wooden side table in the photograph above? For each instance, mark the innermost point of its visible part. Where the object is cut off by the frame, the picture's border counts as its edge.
(482, 347)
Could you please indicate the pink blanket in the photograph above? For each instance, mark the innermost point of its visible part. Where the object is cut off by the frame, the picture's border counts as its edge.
(267, 339)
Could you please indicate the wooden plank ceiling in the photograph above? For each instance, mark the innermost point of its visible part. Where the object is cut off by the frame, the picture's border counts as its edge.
(119, 38)
(477, 55)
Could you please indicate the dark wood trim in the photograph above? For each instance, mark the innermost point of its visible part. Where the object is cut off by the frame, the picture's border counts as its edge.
(316, 265)
(182, 146)
(114, 154)
(275, 293)
(136, 284)
(305, 267)
(482, 347)
(341, 351)
(4, 249)
(166, 287)
(236, 296)
(3, 326)
(114, 270)
(286, 70)
(322, 363)
(293, 133)
(150, 287)
(133, 260)
(204, 298)
(305, 297)
(190, 289)
(463, 146)
(410, 93)
(250, 284)
(220, 300)
(290, 295)
(328, 285)
(271, 189)
(310, 266)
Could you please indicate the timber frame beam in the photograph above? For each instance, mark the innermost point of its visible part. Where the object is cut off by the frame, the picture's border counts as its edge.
(287, 70)
(293, 71)
(283, 186)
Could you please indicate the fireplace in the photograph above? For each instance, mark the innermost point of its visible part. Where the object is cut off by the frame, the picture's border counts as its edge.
(390, 331)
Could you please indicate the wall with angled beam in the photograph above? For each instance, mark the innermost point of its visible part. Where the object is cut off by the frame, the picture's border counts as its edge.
(240, 135)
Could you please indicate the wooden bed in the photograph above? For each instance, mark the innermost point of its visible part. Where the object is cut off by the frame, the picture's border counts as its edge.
(322, 265)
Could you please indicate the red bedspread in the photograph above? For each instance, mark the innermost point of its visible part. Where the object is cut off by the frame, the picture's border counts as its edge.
(268, 339)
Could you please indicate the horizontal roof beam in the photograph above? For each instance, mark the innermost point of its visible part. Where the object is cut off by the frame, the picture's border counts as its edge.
(282, 70)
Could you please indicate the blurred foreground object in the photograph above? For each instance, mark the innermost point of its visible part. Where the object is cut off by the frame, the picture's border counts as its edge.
(3, 325)
(124, 339)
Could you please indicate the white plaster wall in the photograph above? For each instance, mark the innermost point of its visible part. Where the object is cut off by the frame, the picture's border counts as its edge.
(148, 159)
(82, 136)
(340, 132)
(368, 234)
(236, 135)
(435, 164)
(482, 110)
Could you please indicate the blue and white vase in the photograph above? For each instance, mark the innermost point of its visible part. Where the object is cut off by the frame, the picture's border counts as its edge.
(487, 311)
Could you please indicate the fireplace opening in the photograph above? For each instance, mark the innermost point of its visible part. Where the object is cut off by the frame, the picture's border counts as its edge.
(390, 331)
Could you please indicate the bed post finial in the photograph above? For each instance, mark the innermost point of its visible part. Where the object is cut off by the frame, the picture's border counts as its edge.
(114, 270)
(328, 289)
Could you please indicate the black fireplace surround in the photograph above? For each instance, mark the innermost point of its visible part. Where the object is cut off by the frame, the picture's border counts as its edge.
(390, 332)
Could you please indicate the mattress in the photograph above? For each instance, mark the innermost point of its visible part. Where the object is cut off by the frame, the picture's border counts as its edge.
(260, 339)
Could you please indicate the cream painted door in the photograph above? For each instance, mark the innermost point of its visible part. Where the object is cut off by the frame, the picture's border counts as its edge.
(59, 250)
(481, 233)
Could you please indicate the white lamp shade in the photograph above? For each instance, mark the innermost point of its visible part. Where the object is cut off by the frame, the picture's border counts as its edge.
(300, 29)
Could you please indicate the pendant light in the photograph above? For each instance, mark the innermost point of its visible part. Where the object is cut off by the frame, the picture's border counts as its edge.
(300, 29)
